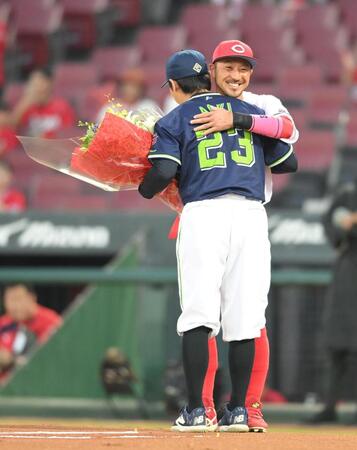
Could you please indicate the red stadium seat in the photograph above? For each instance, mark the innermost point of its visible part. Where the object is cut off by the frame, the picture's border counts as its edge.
(297, 82)
(319, 16)
(321, 37)
(93, 99)
(157, 94)
(257, 17)
(206, 43)
(36, 23)
(25, 169)
(154, 74)
(34, 16)
(81, 20)
(73, 79)
(262, 88)
(204, 19)
(279, 41)
(326, 103)
(321, 47)
(110, 62)
(13, 92)
(315, 150)
(157, 43)
(300, 119)
(55, 183)
(128, 12)
(267, 68)
(349, 15)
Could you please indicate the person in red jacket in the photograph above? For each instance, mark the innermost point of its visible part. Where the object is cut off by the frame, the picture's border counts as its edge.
(8, 139)
(24, 324)
(11, 199)
(39, 113)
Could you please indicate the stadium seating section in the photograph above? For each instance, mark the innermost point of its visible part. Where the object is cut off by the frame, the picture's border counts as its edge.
(299, 61)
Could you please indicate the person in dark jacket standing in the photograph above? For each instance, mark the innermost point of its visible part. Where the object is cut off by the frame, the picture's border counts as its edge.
(340, 324)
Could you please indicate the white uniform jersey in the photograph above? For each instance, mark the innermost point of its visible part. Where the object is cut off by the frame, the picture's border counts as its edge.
(272, 107)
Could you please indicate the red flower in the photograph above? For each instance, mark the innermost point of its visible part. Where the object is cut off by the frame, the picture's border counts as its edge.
(117, 156)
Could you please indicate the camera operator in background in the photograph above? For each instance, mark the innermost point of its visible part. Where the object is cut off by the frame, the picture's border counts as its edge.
(340, 331)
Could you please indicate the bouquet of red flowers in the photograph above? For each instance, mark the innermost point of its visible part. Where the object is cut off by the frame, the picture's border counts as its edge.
(116, 155)
(112, 156)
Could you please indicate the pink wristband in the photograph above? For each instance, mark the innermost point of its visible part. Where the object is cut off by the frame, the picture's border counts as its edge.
(275, 127)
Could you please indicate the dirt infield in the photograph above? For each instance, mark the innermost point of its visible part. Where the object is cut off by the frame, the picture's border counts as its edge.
(87, 435)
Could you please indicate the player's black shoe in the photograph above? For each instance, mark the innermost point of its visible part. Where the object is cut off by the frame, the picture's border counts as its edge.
(327, 415)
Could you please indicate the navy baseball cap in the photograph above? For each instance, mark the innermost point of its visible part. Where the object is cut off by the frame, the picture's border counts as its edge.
(184, 64)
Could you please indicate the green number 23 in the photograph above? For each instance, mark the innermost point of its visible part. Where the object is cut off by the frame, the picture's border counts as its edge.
(244, 156)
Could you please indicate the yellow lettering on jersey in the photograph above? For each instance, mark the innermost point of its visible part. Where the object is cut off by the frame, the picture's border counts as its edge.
(208, 107)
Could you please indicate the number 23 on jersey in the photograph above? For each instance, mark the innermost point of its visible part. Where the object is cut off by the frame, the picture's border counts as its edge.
(210, 156)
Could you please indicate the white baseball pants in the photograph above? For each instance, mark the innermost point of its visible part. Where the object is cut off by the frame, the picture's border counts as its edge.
(223, 257)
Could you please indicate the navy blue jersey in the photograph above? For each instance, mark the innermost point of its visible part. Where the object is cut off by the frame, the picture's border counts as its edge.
(224, 162)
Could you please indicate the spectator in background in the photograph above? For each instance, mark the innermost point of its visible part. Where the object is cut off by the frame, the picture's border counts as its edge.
(234, 7)
(8, 139)
(340, 325)
(131, 93)
(4, 15)
(24, 324)
(349, 75)
(157, 11)
(11, 200)
(39, 113)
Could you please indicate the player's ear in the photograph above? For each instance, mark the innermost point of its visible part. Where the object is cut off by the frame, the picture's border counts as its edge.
(173, 85)
(212, 73)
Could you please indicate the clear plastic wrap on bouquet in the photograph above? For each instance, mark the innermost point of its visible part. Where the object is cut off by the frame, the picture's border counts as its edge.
(112, 156)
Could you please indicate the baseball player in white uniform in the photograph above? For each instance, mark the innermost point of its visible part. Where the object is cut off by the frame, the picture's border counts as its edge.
(222, 246)
(278, 123)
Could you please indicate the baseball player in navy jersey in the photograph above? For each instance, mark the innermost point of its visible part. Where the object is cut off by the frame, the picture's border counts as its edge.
(223, 246)
(231, 69)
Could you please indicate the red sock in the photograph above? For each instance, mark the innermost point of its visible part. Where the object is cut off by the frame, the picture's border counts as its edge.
(208, 385)
(258, 376)
(259, 371)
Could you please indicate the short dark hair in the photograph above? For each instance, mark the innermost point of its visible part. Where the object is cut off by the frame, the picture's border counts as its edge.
(4, 106)
(29, 287)
(6, 165)
(189, 85)
(46, 71)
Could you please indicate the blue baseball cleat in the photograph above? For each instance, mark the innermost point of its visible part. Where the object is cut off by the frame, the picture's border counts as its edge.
(234, 421)
(195, 421)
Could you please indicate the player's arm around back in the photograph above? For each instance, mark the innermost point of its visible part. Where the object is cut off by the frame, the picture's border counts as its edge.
(275, 122)
(165, 157)
(279, 156)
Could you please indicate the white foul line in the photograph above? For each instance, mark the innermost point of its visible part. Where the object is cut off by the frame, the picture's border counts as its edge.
(37, 434)
(17, 436)
(68, 432)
